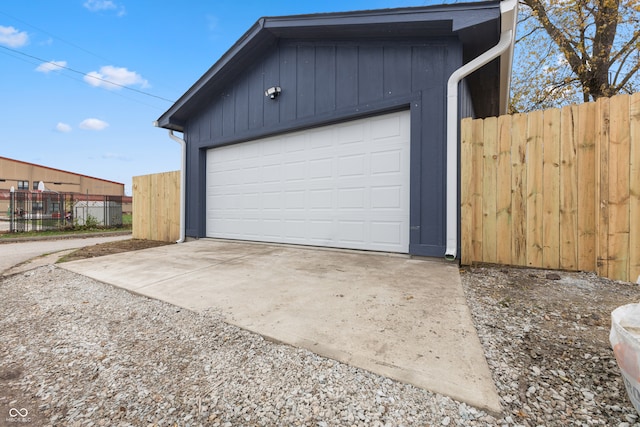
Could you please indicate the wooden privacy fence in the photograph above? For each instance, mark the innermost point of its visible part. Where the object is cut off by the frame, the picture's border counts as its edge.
(556, 189)
(156, 206)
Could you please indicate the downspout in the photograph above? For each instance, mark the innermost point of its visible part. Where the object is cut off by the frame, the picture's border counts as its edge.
(508, 11)
(183, 168)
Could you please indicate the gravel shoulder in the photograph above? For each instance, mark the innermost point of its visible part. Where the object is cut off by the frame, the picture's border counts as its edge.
(546, 338)
(74, 351)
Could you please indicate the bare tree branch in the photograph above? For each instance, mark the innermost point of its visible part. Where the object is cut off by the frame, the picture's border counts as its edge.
(628, 47)
(630, 74)
(594, 37)
(556, 35)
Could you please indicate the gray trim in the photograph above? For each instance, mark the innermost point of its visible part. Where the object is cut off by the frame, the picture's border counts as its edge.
(415, 162)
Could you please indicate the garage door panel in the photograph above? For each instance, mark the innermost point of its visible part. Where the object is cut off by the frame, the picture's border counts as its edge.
(352, 231)
(388, 161)
(385, 233)
(272, 229)
(225, 156)
(272, 200)
(293, 143)
(270, 150)
(351, 165)
(295, 200)
(295, 230)
(251, 175)
(321, 139)
(351, 198)
(344, 185)
(271, 173)
(251, 201)
(251, 227)
(388, 197)
(321, 168)
(386, 127)
(350, 133)
(320, 231)
(295, 171)
(321, 199)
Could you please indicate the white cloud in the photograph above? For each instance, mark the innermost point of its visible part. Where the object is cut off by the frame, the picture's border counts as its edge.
(11, 37)
(47, 67)
(63, 127)
(114, 78)
(213, 23)
(104, 5)
(115, 156)
(97, 5)
(93, 124)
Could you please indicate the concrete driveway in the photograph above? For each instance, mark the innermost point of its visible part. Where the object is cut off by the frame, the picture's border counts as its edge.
(403, 318)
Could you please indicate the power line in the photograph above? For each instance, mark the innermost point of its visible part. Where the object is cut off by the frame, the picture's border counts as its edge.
(55, 37)
(71, 77)
(87, 75)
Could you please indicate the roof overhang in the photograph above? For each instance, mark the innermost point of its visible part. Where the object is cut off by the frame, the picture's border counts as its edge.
(477, 24)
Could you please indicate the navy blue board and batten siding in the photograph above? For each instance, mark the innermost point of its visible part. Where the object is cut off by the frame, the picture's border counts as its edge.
(334, 72)
(324, 83)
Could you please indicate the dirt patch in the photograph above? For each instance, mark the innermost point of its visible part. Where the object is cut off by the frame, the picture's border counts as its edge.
(112, 248)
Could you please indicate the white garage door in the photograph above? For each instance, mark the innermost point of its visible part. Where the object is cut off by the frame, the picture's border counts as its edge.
(344, 186)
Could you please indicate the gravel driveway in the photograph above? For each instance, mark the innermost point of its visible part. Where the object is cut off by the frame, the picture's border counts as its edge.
(74, 351)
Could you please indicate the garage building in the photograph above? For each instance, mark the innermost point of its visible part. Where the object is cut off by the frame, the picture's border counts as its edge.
(331, 129)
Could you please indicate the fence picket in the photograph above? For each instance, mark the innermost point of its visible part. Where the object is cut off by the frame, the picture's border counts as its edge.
(518, 189)
(586, 182)
(551, 189)
(503, 188)
(535, 131)
(466, 197)
(568, 190)
(634, 188)
(619, 152)
(489, 184)
(476, 188)
(602, 187)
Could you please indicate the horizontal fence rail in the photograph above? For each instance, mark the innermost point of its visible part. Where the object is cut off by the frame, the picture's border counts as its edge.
(156, 206)
(556, 189)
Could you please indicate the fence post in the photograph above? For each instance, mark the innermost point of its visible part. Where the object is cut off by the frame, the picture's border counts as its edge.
(12, 204)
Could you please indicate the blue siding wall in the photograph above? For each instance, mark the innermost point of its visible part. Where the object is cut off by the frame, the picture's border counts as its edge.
(327, 81)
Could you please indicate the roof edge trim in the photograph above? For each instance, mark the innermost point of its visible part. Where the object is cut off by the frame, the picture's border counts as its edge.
(164, 121)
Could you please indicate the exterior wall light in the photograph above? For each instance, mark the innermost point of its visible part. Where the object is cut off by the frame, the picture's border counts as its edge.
(273, 92)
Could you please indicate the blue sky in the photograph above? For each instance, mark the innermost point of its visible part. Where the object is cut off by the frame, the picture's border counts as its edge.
(58, 57)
